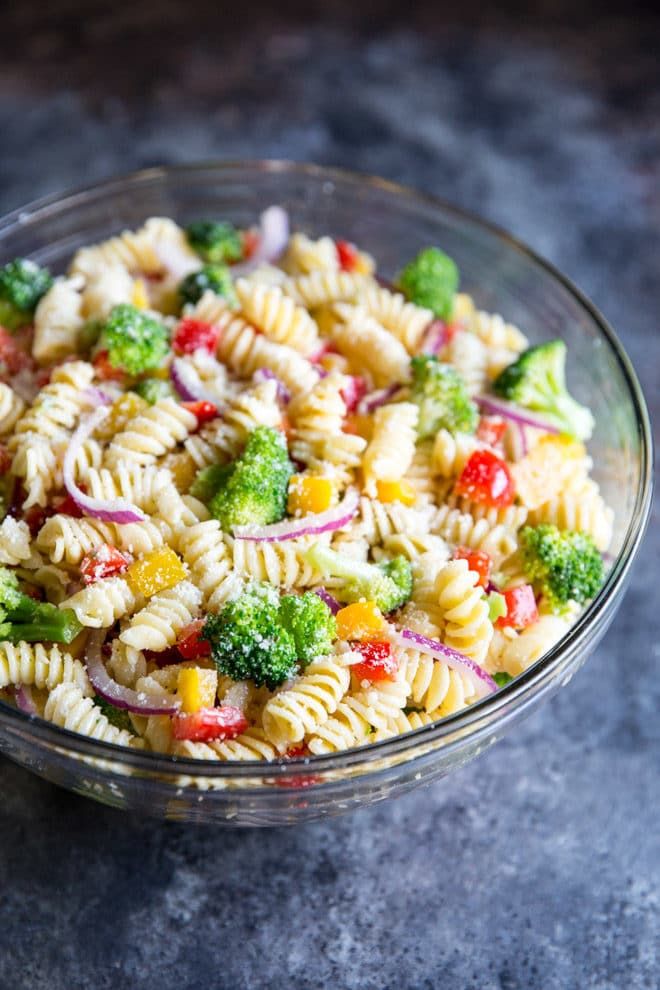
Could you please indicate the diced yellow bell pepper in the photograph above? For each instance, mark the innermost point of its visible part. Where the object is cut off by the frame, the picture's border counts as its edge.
(197, 687)
(122, 411)
(309, 493)
(361, 620)
(159, 570)
(140, 297)
(396, 491)
(363, 264)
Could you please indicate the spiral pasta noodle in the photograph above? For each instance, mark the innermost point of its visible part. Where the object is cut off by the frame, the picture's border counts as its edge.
(392, 445)
(39, 666)
(369, 346)
(100, 604)
(58, 321)
(468, 628)
(67, 707)
(152, 434)
(278, 316)
(208, 557)
(583, 510)
(322, 287)
(305, 706)
(11, 408)
(14, 541)
(65, 538)
(404, 320)
(157, 625)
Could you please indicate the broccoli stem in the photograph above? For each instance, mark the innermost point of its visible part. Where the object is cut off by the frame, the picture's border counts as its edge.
(47, 623)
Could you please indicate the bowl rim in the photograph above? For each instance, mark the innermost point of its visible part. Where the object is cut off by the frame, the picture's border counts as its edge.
(459, 724)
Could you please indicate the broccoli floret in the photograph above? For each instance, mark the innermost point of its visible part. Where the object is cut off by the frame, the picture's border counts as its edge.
(565, 565)
(255, 491)
(502, 678)
(24, 619)
(135, 342)
(248, 641)
(310, 622)
(214, 277)
(210, 480)
(216, 241)
(430, 280)
(442, 397)
(537, 380)
(22, 284)
(153, 389)
(388, 584)
(116, 716)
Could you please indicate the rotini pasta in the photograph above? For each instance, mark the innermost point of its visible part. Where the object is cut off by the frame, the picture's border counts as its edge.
(264, 541)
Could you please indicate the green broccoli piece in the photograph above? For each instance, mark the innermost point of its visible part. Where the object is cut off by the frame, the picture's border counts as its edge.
(22, 284)
(311, 623)
(442, 397)
(216, 241)
(388, 584)
(217, 278)
(24, 619)
(537, 381)
(565, 565)
(209, 480)
(430, 280)
(502, 678)
(255, 491)
(88, 336)
(248, 641)
(135, 342)
(153, 389)
(496, 606)
(118, 717)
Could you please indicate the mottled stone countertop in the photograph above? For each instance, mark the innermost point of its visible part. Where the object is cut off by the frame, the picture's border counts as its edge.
(537, 866)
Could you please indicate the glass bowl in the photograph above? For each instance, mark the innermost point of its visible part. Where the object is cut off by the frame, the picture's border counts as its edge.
(392, 222)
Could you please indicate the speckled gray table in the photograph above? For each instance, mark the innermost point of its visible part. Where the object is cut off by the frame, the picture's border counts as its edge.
(536, 867)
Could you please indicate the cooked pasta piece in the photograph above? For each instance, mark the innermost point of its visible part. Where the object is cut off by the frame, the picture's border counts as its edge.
(583, 510)
(68, 707)
(322, 287)
(369, 346)
(406, 321)
(11, 408)
(64, 538)
(369, 708)
(392, 445)
(206, 553)
(468, 628)
(278, 316)
(282, 564)
(101, 604)
(152, 434)
(14, 541)
(158, 624)
(58, 320)
(451, 452)
(304, 706)
(40, 666)
(318, 417)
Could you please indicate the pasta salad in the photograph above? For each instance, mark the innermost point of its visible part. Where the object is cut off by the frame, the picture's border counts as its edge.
(258, 502)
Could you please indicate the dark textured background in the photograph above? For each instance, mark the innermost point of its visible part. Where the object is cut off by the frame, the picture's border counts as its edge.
(536, 867)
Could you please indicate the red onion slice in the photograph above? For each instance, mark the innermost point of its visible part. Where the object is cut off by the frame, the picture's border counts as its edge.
(483, 682)
(376, 399)
(139, 702)
(264, 375)
(499, 407)
(273, 239)
(118, 510)
(310, 525)
(188, 384)
(24, 700)
(436, 336)
(96, 396)
(329, 599)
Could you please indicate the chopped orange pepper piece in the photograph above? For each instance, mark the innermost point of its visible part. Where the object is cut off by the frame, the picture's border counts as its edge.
(396, 491)
(361, 620)
(159, 570)
(309, 493)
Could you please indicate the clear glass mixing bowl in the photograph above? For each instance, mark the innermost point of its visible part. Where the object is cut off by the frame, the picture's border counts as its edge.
(504, 276)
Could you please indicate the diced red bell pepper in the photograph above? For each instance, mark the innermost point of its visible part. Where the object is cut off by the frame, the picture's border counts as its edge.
(478, 561)
(190, 644)
(250, 239)
(378, 661)
(486, 479)
(203, 411)
(491, 429)
(67, 506)
(348, 255)
(163, 658)
(208, 724)
(521, 610)
(105, 561)
(294, 752)
(355, 389)
(192, 334)
(12, 355)
(105, 371)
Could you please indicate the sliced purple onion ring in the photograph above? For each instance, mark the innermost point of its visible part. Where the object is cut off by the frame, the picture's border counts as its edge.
(507, 410)
(188, 384)
(24, 700)
(118, 510)
(329, 599)
(139, 702)
(273, 239)
(483, 682)
(436, 336)
(264, 375)
(311, 525)
(376, 399)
